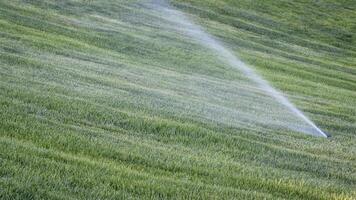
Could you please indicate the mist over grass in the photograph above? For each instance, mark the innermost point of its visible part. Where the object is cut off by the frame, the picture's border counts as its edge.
(98, 100)
(253, 105)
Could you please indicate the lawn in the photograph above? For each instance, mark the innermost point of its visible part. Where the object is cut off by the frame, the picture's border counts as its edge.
(109, 100)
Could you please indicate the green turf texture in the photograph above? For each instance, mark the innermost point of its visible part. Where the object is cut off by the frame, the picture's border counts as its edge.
(97, 104)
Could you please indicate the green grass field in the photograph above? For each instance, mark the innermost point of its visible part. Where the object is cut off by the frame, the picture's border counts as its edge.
(99, 101)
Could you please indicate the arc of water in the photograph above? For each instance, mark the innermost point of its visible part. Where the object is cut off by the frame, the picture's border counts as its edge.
(226, 55)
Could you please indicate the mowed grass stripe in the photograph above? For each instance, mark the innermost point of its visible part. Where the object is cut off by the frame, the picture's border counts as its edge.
(258, 21)
(128, 171)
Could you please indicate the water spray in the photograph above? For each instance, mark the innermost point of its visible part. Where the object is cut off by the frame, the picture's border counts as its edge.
(225, 55)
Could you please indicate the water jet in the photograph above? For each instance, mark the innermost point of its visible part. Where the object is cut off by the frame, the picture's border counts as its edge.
(225, 55)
